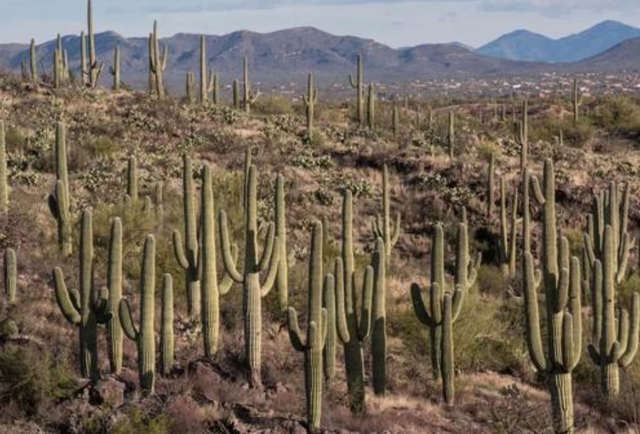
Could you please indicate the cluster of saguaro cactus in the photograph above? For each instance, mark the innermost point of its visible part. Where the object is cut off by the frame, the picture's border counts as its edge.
(115, 69)
(443, 306)
(310, 100)
(254, 266)
(4, 175)
(10, 275)
(59, 200)
(144, 335)
(576, 99)
(607, 246)
(86, 308)
(248, 98)
(508, 231)
(60, 65)
(313, 344)
(358, 84)
(157, 63)
(521, 134)
(451, 135)
(383, 226)
(560, 279)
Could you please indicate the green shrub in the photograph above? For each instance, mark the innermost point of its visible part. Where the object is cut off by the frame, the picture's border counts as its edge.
(617, 115)
(274, 105)
(137, 423)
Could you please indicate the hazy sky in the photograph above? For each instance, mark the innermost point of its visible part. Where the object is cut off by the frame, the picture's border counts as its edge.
(393, 22)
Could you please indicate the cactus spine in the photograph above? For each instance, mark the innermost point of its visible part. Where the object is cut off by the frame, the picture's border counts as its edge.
(358, 325)
(132, 179)
(491, 187)
(310, 100)
(382, 226)
(115, 69)
(508, 233)
(187, 253)
(561, 281)
(114, 286)
(4, 182)
(88, 308)
(144, 336)
(248, 99)
(167, 350)
(314, 342)
(522, 135)
(451, 135)
(59, 200)
(379, 319)
(371, 107)
(33, 62)
(358, 84)
(157, 62)
(10, 274)
(254, 265)
(577, 98)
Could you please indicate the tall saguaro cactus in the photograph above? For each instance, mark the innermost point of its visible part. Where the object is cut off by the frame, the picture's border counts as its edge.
(187, 253)
(508, 232)
(59, 200)
(329, 302)
(115, 69)
(204, 84)
(248, 98)
(4, 182)
(254, 266)
(521, 135)
(310, 100)
(93, 68)
(144, 336)
(10, 274)
(576, 100)
(371, 107)
(491, 186)
(382, 225)
(86, 308)
(379, 319)
(358, 324)
(33, 62)
(167, 347)
(560, 278)
(282, 279)
(157, 62)
(114, 286)
(313, 344)
(358, 85)
(132, 179)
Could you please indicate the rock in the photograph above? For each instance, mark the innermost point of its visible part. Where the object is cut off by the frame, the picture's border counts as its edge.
(109, 391)
(21, 427)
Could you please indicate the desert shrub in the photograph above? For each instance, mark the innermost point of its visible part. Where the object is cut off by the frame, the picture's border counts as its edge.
(547, 129)
(274, 105)
(32, 378)
(491, 281)
(617, 115)
(137, 423)
(15, 140)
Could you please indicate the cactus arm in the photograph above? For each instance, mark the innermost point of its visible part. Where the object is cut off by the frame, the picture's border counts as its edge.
(267, 252)
(227, 281)
(588, 246)
(625, 248)
(227, 257)
(126, 320)
(70, 312)
(367, 296)
(473, 270)
(457, 299)
(562, 292)
(632, 345)
(435, 303)
(325, 326)
(295, 335)
(534, 339)
(178, 250)
(341, 316)
(537, 191)
(272, 270)
(352, 82)
(419, 306)
(623, 332)
(569, 359)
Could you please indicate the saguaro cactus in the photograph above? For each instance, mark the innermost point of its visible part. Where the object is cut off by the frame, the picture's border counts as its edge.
(204, 83)
(33, 62)
(187, 253)
(395, 122)
(282, 279)
(191, 88)
(329, 303)
(4, 182)
(314, 342)
(59, 200)
(248, 99)
(93, 69)
(132, 179)
(491, 186)
(371, 107)
(310, 100)
(451, 135)
(561, 281)
(167, 351)
(382, 225)
(144, 336)
(157, 62)
(10, 274)
(521, 134)
(254, 265)
(444, 307)
(379, 319)
(358, 84)
(577, 99)
(508, 234)
(358, 325)
(85, 309)
(236, 95)
(114, 286)
(115, 69)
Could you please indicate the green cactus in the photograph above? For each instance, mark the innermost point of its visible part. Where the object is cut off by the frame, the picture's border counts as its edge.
(560, 278)
(59, 200)
(144, 336)
(282, 278)
(379, 320)
(204, 81)
(248, 158)
(357, 326)
(187, 253)
(522, 135)
(434, 313)
(57, 69)
(211, 290)
(215, 88)
(248, 99)
(84, 78)
(114, 286)
(508, 234)
(93, 69)
(491, 187)
(382, 225)
(236, 95)
(577, 99)
(159, 198)
(132, 179)
(167, 350)
(33, 62)
(191, 88)
(451, 135)
(10, 274)
(85, 309)
(157, 62)
(310, 100)
(115, 69)
(329, 304)
(371, 107)
(395, 122)
(358, 84)
(4, 182)
(254, 265)
(312, 345)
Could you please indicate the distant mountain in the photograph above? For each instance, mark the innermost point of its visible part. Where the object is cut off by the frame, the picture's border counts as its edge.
(276, 58)
(623, 57)
(523, 45)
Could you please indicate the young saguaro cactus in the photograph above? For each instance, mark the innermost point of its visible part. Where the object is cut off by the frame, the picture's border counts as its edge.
(248, 99)
(115, 69)
(310, 100)
(508, 232)
(358, 84)
(167, 347)
(187, 253)
(382, 225)
(87, 308)
(144, 336)
(10, 274)
(615, 344)
(560, 278)
(358, 324)
(379, 319)
(577, 98)
(4, 182)
(59, 200)
(254, 266)
(434, 313)
(313, 344)
(114, 286)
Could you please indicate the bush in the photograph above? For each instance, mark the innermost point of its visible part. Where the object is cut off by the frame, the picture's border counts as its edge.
(136, 423)
(617, 115)
(274, 105)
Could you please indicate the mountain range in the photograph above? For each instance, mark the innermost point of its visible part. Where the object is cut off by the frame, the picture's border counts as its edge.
(286, 56)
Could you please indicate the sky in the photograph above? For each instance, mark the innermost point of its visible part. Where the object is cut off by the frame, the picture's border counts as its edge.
(397, 23)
